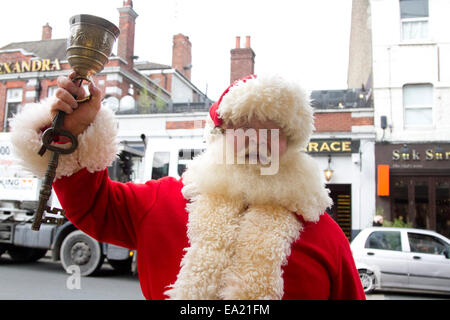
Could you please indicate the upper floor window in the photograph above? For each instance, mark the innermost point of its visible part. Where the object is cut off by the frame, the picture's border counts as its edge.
(13, 101)
(52, 91)
(414, 19)
(418, 105)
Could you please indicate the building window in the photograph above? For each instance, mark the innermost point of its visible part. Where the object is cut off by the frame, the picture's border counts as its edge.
(414, 19)
(160, 165)
(52, 91)
(418, 105)
(13, 101)
(184, 157)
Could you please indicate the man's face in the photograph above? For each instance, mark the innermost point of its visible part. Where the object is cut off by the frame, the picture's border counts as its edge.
(256, 140)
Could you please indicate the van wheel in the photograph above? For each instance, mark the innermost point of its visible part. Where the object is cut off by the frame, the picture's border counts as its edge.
(79, 249)
(367, 280)
(24, 254)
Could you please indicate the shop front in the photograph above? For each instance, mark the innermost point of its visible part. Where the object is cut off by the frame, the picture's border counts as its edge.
(413, 184)
(334, 157)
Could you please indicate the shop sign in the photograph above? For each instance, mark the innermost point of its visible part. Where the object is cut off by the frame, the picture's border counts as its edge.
(414, 155)
(333, 146)
(29, 66)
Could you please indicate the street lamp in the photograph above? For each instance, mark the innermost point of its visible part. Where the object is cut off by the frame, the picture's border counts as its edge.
(328, 172)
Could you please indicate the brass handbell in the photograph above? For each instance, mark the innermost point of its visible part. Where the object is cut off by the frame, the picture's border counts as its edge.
(90, 44)
(88, 50)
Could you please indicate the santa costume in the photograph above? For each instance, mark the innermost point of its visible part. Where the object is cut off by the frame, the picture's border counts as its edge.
(223, 231)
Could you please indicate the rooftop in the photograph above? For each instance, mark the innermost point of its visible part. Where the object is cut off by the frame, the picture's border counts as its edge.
(146, 65)
(49, 49)
(341, 99)
(169, 108)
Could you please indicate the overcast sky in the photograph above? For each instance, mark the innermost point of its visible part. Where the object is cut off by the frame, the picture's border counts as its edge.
(306, 40)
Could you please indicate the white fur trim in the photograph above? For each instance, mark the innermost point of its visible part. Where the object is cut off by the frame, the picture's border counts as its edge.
(96, 146)
(274, 98)
(256, 271)
(211, 232)
(228, 257)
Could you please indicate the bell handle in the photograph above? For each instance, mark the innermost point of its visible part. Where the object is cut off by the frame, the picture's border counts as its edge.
(88, 79)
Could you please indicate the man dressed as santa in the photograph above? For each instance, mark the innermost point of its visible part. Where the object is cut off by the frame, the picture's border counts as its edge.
(245, 221)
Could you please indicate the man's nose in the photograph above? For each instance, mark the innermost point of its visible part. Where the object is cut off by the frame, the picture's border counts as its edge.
(253, 138)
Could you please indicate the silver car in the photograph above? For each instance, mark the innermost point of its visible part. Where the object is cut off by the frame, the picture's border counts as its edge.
(402, 259)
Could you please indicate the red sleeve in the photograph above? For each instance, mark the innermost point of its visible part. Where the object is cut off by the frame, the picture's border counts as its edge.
(107, 210)
(347, 285)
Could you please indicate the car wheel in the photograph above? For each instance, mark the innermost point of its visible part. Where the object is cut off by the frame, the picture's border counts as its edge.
(83, 251)
(367, 280)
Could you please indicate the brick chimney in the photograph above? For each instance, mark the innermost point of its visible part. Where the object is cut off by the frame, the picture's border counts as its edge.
(127, 23)
(46, 32)
(242, 60)
(181, 55)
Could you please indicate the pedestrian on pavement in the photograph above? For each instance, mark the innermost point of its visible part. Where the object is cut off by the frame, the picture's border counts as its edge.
(246, 219)
(377, 221)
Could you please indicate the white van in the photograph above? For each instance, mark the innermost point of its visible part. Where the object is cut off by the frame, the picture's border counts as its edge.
(170, 157)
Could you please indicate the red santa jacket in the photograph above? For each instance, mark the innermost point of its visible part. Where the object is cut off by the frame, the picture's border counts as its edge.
(151, 218)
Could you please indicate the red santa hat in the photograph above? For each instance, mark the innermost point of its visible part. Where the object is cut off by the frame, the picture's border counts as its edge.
(267, 97)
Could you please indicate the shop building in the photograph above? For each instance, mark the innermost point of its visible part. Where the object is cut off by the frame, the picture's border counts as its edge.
(413, 184)
(343, 144)
(409, 69)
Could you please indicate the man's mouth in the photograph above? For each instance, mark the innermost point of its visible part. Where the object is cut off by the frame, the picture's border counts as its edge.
(256, 156)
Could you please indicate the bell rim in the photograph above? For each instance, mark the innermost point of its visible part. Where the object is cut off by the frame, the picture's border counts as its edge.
(95, 20)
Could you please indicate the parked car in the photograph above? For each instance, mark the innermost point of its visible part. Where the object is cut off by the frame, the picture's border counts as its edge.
(402, 259)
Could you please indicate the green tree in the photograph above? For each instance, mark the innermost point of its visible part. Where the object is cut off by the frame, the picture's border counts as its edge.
(144, 101)
(397, 223)
(160, 104)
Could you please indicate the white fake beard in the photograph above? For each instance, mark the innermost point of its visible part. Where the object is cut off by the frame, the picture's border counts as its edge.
(298, 185)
